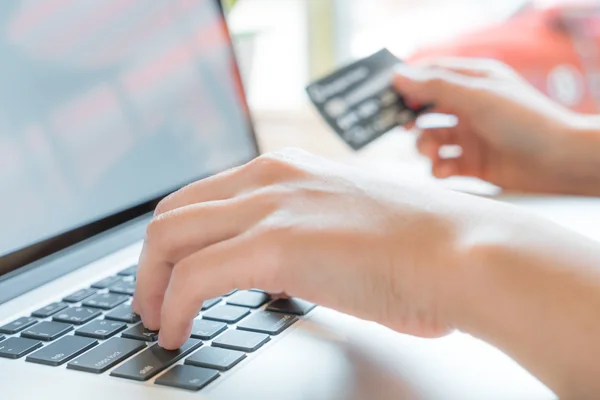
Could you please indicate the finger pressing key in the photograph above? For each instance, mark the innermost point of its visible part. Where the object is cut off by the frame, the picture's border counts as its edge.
(236, 263)
(174, 235)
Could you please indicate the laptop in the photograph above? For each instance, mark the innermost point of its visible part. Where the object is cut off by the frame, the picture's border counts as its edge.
(105, 108)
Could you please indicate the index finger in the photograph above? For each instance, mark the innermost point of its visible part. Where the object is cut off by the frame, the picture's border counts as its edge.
(237, 263)
(174, 235)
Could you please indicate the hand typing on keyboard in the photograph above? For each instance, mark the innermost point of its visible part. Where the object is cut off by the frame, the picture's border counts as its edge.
(418, 259)
(294, 223)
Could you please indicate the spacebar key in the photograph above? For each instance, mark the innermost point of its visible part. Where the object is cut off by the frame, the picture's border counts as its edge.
(154, 360)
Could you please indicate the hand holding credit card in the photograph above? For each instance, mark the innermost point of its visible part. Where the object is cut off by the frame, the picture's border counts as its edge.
(359, 102)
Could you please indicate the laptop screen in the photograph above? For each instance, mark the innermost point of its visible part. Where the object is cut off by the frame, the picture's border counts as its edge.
(105, 105)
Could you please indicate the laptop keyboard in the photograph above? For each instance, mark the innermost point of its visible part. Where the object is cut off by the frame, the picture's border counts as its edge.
(94, 330)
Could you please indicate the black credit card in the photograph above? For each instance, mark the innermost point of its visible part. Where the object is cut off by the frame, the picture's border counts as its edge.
(359, 102)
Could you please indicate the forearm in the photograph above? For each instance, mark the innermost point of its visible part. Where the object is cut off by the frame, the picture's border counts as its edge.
(534, 292)
(581, 157)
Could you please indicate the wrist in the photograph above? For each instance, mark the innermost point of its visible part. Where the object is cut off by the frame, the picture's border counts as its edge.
(495, 260)
(481, 240)
(578, 157)
(529, 286)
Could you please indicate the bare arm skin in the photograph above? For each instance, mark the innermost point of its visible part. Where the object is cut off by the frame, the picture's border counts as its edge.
(418, 259)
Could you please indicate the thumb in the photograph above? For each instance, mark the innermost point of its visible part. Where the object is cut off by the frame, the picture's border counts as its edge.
(444, 89)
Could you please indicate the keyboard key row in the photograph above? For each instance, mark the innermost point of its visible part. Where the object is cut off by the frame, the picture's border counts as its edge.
(101, 329)
(105, 301)
(216, 358)
(110, 353)
(18, 325)
(77, 315)
(49, 310)
(83, 352)
(123, 313)
(250, 299)
(139, 332)
(210, 303)
(206, 330)
(187, 377)
(62, 350)
(291, 306)
(123, 287)
(47, 331)
(226, 313)
(154, 360)
(17, 347)
(247, 342)
(106, 282)
(131, 271)
(80, 295)
(267, 322)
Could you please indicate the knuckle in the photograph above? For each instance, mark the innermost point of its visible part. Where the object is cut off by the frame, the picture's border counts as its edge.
(437, 83)
(275, 167)
(156, 233)
(271, 161)
(271, 198)
(163, 206)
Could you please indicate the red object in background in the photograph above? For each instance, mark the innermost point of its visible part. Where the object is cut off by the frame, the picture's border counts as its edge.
(556, 49)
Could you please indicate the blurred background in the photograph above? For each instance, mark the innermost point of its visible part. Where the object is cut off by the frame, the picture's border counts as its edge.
(102, 103)
(284, 44)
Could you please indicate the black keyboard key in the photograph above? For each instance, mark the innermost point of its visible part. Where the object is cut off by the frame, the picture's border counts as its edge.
(228, 314)
(105, 301)
(186, 377)
(131, 271)
(101, 329)
(107, 355)
(123, 313)
(46, 330)
(248, 298)
(139, 332)
(80, 295)
(154, 360)
(241, 340)
(77, 315)
(62, 351)
(106, 282)
(216, 358)
(49, 310)
(210, 303)
(206, 330)
(18, 325)
(291, 306)
(16, 347)
(267, 322)
(123, 287)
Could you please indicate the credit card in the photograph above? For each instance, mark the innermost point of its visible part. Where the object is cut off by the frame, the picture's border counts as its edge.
(359, 102)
